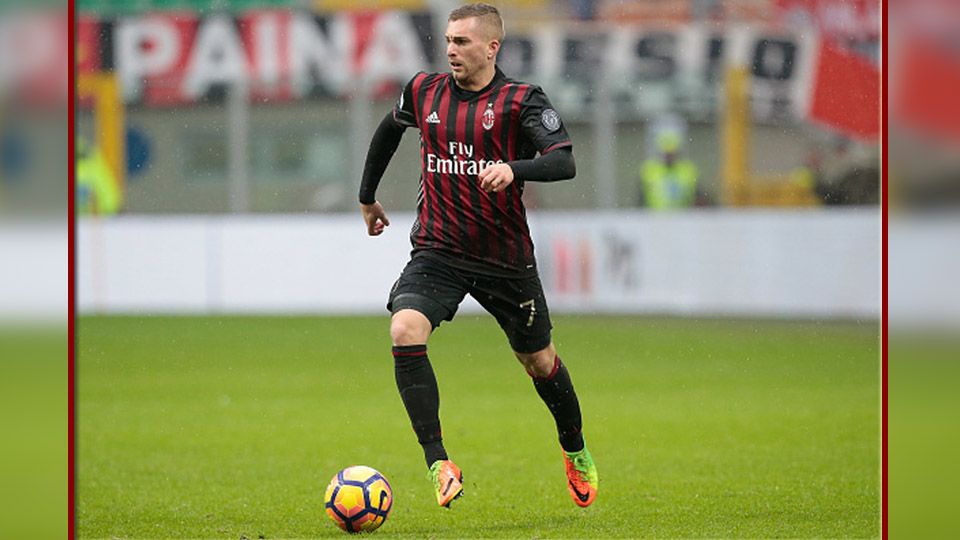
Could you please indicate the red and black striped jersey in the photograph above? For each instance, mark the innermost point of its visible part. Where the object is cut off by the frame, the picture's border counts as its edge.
(462, 132)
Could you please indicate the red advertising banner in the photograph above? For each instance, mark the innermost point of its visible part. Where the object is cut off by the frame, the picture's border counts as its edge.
(927, 86)
(33, 57)
(837, 19)
(88, 48)
(174, 58)
(846, 92)
(153, 56)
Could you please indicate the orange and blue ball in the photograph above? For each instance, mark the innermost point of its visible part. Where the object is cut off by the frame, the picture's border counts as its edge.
(358, 499)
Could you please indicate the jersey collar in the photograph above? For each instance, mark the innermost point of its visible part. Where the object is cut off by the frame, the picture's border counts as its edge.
(467, 95)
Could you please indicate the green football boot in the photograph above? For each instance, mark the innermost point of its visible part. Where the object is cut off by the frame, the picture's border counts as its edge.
(582, 479)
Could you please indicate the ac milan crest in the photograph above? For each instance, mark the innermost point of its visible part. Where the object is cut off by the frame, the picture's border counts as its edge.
(488, 118)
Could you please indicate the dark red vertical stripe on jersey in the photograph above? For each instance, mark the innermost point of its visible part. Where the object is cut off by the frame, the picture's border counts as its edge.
(434, 89)
(478, 199)
(421, 98)
(503, 117)
(514, 127)
(465, 114)
(415, 92)
(494, 151)
(504, 250)
(441, 182)
(512, 203)
(450, 225)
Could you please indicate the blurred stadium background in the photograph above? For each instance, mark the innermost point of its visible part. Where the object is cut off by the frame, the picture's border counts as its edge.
(268, 106)
(223, 141)
(33, 291)
(219, 147)
(249, 122)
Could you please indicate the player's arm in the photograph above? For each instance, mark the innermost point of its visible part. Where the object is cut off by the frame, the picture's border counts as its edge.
(550, 167)
(383, 145)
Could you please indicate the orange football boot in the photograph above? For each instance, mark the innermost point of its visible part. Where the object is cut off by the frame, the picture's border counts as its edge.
(448, 481)
(582, 479)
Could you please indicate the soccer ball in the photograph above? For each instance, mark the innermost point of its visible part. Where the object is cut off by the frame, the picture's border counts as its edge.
(358, 499)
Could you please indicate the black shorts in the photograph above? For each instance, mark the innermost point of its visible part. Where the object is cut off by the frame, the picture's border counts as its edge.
(436, 289)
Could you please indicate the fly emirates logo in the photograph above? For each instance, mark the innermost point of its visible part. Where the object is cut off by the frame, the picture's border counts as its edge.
(460, 162)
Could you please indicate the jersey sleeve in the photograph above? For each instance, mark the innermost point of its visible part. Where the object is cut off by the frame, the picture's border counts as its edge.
(403, 111)
(541, 124)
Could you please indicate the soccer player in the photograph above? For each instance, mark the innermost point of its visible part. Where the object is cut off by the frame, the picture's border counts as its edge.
(482, 135)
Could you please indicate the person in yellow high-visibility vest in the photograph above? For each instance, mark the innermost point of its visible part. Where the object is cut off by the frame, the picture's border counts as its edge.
(97, 190)
(667, 180)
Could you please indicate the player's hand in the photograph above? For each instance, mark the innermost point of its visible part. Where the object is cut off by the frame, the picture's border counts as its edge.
(495, 177)
(374, 217)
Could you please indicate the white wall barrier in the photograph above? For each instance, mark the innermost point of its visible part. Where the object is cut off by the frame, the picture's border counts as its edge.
(822, 263)
(924, 272)
(755, 262)
(33, 271)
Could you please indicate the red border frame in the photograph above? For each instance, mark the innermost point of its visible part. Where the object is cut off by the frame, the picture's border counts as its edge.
(71, 292)
(884, 200)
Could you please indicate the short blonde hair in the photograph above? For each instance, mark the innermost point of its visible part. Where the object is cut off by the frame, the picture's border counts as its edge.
(488, 15)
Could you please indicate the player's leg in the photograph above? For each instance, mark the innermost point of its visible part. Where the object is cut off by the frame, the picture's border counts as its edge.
(520, 308)
(416, 381)
(555, 387)
(417, 309)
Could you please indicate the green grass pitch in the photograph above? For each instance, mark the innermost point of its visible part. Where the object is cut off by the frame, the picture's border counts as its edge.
(231, 427)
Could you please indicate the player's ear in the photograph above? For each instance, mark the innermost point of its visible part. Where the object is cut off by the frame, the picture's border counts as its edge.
(492, 48)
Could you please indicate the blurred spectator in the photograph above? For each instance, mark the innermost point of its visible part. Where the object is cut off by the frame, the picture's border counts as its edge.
(667, 180)
(97, 190)
(810, 171)
(584, 10)
(849, 175)
(708, 10)
(14, 155)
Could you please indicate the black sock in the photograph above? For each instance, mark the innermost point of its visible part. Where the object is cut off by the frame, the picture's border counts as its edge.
(418, 390)
(556, 390)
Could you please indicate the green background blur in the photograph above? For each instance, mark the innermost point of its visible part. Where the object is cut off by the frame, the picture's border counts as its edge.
(33, 411)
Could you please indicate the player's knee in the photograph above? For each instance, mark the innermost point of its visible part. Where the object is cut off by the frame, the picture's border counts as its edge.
(409, 327)
(540, 363)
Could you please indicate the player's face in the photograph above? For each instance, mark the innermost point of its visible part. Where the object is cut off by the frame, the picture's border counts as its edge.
(469, 52)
